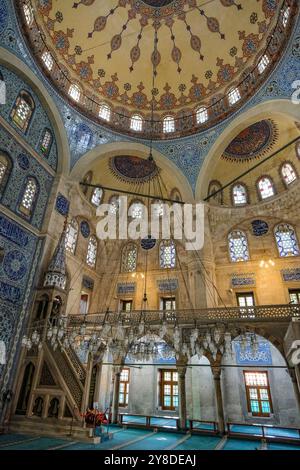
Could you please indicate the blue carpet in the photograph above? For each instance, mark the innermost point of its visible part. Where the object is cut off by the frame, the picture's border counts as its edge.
(158, 441)
(241, 444)
(199, 443)
(283, 447)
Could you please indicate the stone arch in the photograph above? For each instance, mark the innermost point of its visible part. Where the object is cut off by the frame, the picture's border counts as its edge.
(104, 151)
(282, 107)
(16, 65)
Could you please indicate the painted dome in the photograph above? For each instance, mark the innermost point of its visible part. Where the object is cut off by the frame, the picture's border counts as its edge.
(196, 50)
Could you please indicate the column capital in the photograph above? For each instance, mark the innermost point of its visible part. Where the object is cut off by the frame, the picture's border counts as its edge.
(117, 369)
(216, 371)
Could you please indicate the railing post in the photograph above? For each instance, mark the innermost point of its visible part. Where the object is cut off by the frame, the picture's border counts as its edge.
(219, 399)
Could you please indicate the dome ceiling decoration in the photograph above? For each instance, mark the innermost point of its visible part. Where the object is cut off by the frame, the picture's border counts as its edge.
(133, 169)
(253, 142)
(197, 50)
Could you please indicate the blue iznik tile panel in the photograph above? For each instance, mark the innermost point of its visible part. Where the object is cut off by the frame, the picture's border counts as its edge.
(12, 194)
(39, 121)
(19, 248)
(246, 357)
(187, 153)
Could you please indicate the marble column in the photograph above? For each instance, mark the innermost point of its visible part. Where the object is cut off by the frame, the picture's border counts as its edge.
(87, 384)
(182, 396)
(116, 392)
(295, 376)
(216, 371)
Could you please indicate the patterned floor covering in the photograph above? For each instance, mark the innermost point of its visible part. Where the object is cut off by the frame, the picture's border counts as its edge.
(136, 439)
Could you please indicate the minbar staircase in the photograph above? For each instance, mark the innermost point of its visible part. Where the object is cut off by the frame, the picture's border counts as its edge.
(65, 380)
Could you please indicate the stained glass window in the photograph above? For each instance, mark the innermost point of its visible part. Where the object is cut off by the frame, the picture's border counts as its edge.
(29, 196)
(97, 196)
(104, 112)
(167, 254)
(285, 16)
(46, 142)
(74, 92)
(23, 110)
(129, 258)
(286, 240)
(71, 236)
(238, 246)
(28, 13)
(298, 149)
(265, 187)
(114, 204)
(234, 96)
(4, 168)
(48, 60)
(201, 115)
(239, 194)
(136, 210)
(124, 387)
(91, 255)
(136, 123)
(169, 389)
(158, 208)
(263, 63)
(288, 173)
(258, 393)
(168, 124)
(213, 187)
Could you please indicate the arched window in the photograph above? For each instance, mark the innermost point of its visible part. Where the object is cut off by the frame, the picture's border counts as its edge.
(239, 194)
(87, 179)
(104, 112)
(48, 60)
(263, 63)
(234, 96)
(74, 92)
(136, 123)
(201, 115)
(5, 167)
(129, 258)
(212, 188)
(298, 149)
(136, 210)
(71, 236)
(168, 124)
(286, 240)
(167, 254)
(158, 208)
(114, 204)
(28, 13)
(2, 90)
(265, 187)
(91, 255)
(29, 196)
(175, 195)
(23, 110)
(288, 173)
(238, 246)
(97, 196)
(285, 16)
(46, 142)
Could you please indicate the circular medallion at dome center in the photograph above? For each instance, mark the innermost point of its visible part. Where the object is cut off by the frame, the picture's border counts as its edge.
(157, 3)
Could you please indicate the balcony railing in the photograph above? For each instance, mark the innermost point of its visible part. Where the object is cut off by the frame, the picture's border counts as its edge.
(283, 312)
